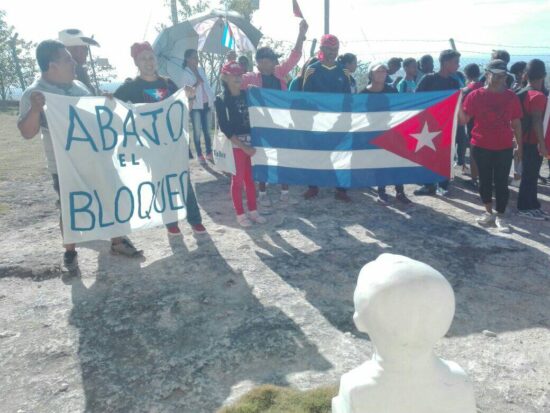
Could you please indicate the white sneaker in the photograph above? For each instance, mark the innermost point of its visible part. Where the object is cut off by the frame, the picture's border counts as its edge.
(244, 221)
(287, 199)
(264, 200)
(502, 224)
(486, 219)
(257, 218)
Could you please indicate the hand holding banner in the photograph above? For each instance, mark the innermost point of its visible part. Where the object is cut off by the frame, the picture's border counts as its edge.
(122, 167)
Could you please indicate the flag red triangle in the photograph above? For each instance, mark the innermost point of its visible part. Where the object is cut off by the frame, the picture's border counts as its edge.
(432, 145)
(296, 9)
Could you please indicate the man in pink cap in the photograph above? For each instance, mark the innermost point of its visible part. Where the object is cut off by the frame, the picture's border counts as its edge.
(271, 75)
(327, 76)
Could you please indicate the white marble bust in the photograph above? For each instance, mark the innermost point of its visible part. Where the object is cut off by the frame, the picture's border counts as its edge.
(405, 306)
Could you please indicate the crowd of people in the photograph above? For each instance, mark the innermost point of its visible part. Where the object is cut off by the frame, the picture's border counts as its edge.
(500, 118)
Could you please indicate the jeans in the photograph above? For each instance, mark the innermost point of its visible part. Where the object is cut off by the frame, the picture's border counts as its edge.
(200, 120)
(193, 212)
(494, 168)
(532, 161)
(462, 143)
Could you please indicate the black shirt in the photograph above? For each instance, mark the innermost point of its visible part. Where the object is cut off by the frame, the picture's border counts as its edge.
(232, 113)
(271, 82)
(434, 82)
(387, 89)
(327, 79)
(143, 91)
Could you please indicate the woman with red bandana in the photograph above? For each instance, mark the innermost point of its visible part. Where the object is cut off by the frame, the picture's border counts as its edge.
(149, 87)
(232, 111)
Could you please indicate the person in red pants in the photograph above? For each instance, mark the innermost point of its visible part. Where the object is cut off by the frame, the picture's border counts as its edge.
(232, 112)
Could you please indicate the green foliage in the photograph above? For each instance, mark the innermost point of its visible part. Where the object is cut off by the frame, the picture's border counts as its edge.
(273, 399)
(12, 75)
(105, 72)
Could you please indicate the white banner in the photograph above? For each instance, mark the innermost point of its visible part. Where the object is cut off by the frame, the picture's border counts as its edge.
(121, 167)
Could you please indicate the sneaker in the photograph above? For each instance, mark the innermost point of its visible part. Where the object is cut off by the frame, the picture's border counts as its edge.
(383, 198)
(402, 199)
(287, 199)
(257, 218)
(342, 196)
(542, 212)
(69, 260)
(486, 219)
(126, 248)
(264, 200)
(198, 229)
(202, 160)
(473, 183)
(311, 193)
(244, 221)
(173, 230)
(442, 191)
(531, 214)
(502, 224)
(424, 191)
(210, 157)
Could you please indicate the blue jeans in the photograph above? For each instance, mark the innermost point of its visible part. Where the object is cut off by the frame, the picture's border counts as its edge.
(193, 212)
(200, 120)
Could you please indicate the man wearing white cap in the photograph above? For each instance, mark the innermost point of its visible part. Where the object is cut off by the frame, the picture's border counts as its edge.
(77, 44)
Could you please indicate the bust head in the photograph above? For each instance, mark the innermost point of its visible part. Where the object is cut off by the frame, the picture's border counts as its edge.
(403, 304)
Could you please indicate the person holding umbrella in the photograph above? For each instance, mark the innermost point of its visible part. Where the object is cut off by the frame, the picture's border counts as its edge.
(195, 76)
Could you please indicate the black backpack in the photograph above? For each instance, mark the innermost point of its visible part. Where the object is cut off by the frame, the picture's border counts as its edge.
(526, 120)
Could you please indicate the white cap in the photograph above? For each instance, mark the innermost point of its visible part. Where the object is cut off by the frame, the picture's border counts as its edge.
(74, 37)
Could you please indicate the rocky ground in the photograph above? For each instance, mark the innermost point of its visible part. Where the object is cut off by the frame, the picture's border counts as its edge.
(199, 321)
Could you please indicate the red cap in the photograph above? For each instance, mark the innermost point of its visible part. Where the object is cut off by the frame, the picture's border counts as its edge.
(232, 68)
(137, 48)
(329, 40)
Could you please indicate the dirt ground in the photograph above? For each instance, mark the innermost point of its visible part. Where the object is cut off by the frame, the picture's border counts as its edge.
(200, 321)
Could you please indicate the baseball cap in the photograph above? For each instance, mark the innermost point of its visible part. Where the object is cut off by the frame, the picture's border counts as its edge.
(232, 68)
(497, 66)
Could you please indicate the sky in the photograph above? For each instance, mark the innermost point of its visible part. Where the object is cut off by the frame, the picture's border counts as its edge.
(372, 29)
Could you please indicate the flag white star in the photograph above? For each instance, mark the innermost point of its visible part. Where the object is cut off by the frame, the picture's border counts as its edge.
(425, 138)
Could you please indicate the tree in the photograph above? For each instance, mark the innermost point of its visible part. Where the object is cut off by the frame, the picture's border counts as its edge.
(17, 64)
(104, 71)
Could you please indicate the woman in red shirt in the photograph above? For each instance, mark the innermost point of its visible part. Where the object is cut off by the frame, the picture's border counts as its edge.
(497, 112)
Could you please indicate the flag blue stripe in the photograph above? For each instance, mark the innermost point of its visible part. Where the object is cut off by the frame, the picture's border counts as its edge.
(353, 178)
(338, 103)
(320, 141)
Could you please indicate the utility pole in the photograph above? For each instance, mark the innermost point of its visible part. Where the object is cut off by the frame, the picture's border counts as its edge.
(327, 16)
(174, 11)
(13, 46)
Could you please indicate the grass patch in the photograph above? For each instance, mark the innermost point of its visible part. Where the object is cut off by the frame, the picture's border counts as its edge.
(273, 399)
(20, 159)
(4, 208)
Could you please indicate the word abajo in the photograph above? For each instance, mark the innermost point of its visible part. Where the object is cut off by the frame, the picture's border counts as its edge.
(128, 127)
(143, 201)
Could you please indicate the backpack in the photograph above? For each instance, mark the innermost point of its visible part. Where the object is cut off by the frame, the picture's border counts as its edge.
(526, 120)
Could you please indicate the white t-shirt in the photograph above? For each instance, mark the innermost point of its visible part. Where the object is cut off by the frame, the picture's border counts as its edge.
(74, 89)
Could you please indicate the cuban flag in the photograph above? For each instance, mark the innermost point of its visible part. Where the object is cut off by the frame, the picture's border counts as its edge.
(352, 141)
(228, 40)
